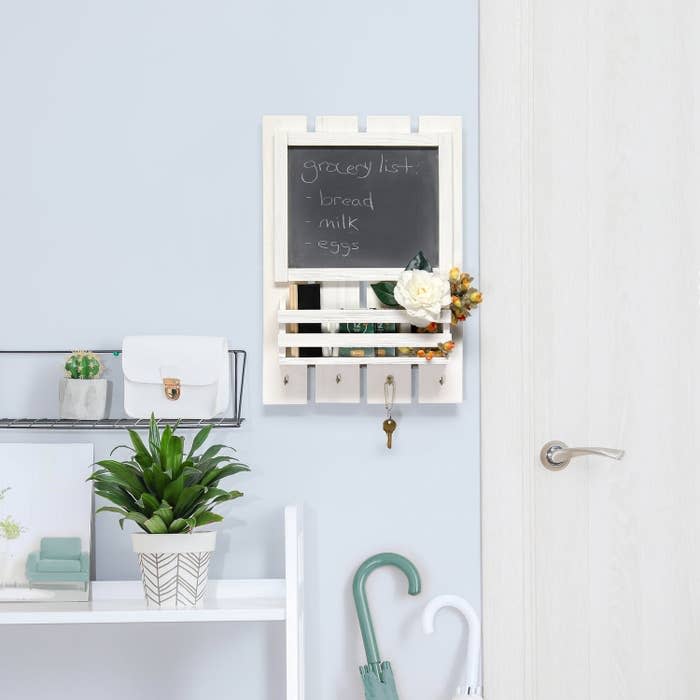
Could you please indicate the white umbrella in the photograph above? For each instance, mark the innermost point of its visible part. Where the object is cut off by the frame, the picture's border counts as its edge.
(470, 688)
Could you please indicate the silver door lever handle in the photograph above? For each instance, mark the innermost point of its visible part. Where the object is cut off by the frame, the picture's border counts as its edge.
(556, 455)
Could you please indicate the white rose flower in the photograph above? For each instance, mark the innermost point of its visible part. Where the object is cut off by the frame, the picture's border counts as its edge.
(423, 294)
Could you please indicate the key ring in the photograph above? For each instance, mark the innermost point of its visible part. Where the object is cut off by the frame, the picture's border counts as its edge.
(389, 393)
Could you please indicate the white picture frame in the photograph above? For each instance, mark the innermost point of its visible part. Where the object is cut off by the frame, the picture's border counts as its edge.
(45, 522)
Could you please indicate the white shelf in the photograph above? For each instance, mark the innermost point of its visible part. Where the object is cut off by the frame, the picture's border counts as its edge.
(123, 601)
(248, 600)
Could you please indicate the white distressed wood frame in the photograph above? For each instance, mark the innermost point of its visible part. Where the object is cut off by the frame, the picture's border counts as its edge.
(337, 379)
(284, 139)
(507, 448)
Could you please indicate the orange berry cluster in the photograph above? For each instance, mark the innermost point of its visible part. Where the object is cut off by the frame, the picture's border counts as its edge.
(464, 296)
(464, 299)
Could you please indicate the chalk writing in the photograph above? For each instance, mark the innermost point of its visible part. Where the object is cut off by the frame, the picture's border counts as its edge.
(351, 206)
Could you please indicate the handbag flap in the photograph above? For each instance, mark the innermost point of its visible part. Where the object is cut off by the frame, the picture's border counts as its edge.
(194, 360)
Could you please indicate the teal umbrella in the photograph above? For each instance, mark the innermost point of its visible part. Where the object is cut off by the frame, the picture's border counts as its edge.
(377, 676)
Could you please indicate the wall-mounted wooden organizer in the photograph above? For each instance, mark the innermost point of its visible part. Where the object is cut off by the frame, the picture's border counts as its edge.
(238, 369)
(304, 214)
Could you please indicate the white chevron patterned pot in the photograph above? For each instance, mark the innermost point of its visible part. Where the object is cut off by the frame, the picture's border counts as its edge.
(174, 568)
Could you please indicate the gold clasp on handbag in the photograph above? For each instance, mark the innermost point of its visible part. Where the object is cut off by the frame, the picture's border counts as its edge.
(171, 386)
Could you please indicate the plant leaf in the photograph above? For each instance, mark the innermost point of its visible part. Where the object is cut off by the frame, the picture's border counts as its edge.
(150, 503)
(110, 509)
(156, 526)
(173, 490)
(213, 477)
(177, 525)
(208, 517)
(125, 475)
(187, 499)
(199, 439)
(385, 293)
(137, 442)
(419, 262)
(165, 513)
(154, 439)
(126, 447)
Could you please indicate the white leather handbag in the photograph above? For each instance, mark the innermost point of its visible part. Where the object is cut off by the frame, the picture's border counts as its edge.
(175, 376)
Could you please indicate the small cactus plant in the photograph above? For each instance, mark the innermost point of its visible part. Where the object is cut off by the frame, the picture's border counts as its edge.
(83, 365)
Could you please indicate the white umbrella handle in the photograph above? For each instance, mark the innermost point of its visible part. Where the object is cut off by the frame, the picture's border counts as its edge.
(474, 626)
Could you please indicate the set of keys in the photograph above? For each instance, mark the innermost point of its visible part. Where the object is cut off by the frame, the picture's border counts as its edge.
(389, 424)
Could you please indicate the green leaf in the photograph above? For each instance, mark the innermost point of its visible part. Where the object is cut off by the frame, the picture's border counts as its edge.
(110, 509)
(126, 447)
(419, 262)
(125, 475)
(115, 494)
(199, 439)
(173, 491)
(215, 475)
(137, 442)
(150, 503)
(231, 495)
(154, 439)
(165, 513)
(214, 450)
(139, 518)
(174, 456)
(208, 517)
(177, 525)
(156, 526)
(187, 499)
(385, 293)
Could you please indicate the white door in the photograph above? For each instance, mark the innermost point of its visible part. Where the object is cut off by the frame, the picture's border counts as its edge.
(591, 335)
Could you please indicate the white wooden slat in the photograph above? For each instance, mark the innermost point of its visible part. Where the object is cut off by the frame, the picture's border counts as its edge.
(370, 315)
(444, 384)
(357, 274)
(280, 206)
(377, 377)
(361, 340)
(389, 124)
(280, 385)
(336, 295)
(333, 123)
(400, 360)
(362, 139)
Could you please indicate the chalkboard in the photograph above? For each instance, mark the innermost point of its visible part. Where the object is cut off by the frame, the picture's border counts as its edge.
(361, 207)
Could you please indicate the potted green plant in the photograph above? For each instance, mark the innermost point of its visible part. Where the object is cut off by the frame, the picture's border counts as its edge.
(82, 393)
(169, 493)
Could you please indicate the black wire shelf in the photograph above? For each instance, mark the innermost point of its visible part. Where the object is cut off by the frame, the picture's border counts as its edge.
(235, 420)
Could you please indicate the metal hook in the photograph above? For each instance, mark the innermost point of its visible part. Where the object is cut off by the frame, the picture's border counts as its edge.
(285, 381)
(442, 381)
(360, 595)
(338, 378)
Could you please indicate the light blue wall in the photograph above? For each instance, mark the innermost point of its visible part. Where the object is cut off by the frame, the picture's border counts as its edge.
(130, 202)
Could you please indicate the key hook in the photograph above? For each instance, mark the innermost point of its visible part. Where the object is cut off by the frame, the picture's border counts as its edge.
(360, 595)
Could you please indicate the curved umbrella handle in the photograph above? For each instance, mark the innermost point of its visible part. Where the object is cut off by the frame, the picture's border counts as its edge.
(360, 595)
(474, 625)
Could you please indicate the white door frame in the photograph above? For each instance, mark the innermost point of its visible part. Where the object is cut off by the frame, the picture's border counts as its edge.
(508, 455)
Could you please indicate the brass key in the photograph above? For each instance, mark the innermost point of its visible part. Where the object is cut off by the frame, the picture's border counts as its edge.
(389, 426)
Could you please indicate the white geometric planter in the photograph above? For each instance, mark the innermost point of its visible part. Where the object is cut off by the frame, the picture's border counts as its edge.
(82, 399)
(174, 568)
